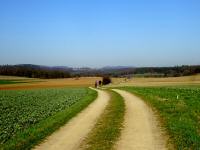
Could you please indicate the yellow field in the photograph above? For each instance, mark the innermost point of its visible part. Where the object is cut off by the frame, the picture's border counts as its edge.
(187, 80)
(45, 83)
(89, 81)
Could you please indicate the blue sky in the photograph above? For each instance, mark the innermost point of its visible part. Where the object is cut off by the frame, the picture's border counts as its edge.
(98, 33)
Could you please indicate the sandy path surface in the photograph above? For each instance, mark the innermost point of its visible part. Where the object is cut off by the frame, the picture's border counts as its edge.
(141, 130)
(70, 135)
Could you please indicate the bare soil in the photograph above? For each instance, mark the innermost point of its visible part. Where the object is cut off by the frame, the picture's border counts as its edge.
(50, 83)
(89, 81)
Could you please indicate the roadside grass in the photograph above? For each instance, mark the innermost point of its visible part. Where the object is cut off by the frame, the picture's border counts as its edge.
(179, 110)
(108, 127)
(34, 134)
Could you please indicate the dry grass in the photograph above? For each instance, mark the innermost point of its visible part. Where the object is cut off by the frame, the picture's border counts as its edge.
(89, 81)
(48, 83)
(137, 81)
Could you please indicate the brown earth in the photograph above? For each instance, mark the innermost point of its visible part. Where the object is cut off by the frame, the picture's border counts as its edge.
(89, 81)
(50, 83)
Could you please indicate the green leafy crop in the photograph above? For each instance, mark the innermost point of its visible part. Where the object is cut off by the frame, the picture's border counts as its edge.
(21, 109)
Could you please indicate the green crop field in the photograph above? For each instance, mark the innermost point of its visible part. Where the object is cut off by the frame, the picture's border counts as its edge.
(11, 81)
(27, 116)
(179, 109)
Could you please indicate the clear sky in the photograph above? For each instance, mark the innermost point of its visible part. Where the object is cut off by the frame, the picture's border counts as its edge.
(98, 33)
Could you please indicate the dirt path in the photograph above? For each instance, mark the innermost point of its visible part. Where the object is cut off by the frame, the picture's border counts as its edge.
(70, 136)
(141, 130)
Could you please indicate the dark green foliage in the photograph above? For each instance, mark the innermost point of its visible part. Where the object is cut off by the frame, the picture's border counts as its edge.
(168, 71)
(11, 81)
(106, 80)
(37, 113)
(33, 71)
(180, 110)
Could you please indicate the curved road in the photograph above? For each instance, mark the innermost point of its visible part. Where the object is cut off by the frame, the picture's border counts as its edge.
(141, 130)
(70, 135)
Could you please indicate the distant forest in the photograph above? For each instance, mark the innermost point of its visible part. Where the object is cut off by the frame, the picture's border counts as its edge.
(176, 71)
(44, 72)
(34, 71)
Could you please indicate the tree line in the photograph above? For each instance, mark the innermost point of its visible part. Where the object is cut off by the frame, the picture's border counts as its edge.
(176, 71)
(33, 71)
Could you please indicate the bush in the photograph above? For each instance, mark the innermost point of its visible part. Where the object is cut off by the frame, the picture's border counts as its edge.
(106, 80)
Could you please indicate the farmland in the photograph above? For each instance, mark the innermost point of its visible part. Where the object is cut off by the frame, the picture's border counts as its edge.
(10, 82)
(35, 83)
(33, 110)
(47, 83)
(37, 113)
(179, 112)
(100, 75)
(169, 81)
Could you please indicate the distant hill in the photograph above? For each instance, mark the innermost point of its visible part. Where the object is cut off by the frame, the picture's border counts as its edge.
(35, 71)
(39, 71)
(62, 68)
(116, 67)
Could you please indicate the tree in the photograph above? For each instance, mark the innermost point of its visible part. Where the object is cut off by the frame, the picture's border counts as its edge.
(106, 80)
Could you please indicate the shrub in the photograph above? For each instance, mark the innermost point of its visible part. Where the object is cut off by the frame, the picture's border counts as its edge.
(106, 80)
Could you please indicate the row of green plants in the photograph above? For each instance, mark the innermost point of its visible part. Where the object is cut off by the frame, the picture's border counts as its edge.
(11, 81)
(27, 116)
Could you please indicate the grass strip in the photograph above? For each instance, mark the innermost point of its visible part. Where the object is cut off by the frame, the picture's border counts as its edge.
(11, 82)
(34, 134)
(108, 127)
(179, 110)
